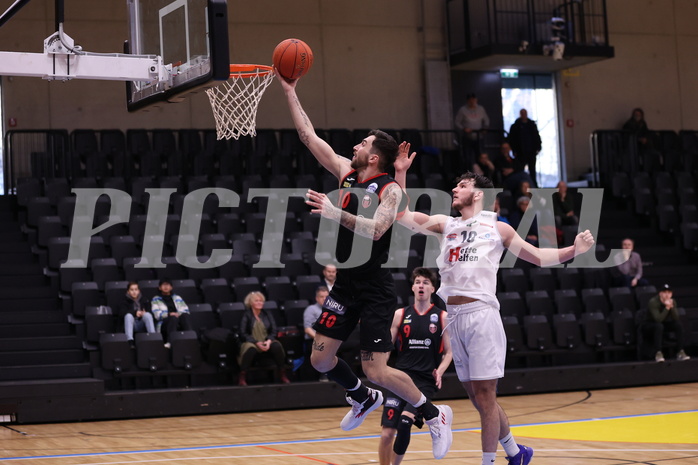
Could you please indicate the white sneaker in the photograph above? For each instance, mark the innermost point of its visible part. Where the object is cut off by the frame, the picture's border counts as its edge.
(359, 410)
(681, 356)
(659, 357)
(440, 429)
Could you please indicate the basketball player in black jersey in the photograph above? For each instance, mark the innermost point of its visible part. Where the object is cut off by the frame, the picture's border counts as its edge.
(424, 353)
(363, 294)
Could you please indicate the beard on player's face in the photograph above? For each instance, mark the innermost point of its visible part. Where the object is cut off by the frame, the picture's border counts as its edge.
(359, 161)
(464, 200)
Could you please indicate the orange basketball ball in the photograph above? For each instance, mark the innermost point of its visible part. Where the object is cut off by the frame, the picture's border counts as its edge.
(293, 58)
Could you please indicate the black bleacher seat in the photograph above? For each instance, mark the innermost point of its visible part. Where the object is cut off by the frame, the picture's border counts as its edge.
(543, 279)
(514, 334)
(210, 242)
(55, 189)
(103, 270)
(231, 314)
(512, 304)
(306, 285)
(643, 294)
(279, 288)
(294, 265)
(644, 201)
(203, 318)
(149, 288)
(570, 278)
(594, 300)
(567, 331)
(134, 273)
(187, 290)
(539, 336)
(293, 311)
(595, 329)
(689, 232)
(84, 294)
(58, 248)
(623, 327)
(198, 274)
(98, 320)
(243, 285)
(186, 351)
(115, 293)
(233, 268)
(116, 352)
(540, 303)
(151, 353)
(38, 207)
(667, 219)
(272, 307)
(514, 280)
(216, 291)
(28, 188)
(123, 247)
(568, 301)
(621, 298)
(172, 269)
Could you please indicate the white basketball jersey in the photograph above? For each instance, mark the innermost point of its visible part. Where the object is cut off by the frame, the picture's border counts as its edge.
(470, 253)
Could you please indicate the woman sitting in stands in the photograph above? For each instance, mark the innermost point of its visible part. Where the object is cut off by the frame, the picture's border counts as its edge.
(135, 313)
(258, 330)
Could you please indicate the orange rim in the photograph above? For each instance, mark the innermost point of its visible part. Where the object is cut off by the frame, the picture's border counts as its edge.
(248, 71)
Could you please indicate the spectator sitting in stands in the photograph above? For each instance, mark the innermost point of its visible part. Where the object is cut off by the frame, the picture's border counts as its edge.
(310, 316)
(170, 311)
(663, 318)
(329, 275)
(258, 330)
(484, 167)
(563, 206)
(511, 172)
(629, 266)
(501, 216)
(638, 126)
(135, 313)
(516, 216)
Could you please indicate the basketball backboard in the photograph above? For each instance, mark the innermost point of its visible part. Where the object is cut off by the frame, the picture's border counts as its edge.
(191, 36)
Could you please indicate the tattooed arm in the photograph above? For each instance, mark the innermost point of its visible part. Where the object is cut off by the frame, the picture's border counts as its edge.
(321, 150)
(373, 228)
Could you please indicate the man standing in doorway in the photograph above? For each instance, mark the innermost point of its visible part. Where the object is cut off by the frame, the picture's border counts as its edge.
(525, 143)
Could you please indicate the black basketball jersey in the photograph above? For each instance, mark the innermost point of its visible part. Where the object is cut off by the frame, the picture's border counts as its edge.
(419, 340)
(364, 203)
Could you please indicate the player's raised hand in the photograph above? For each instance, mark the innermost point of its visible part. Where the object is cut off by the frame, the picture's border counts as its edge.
(404, 159)
(322, 205)
(583, 242)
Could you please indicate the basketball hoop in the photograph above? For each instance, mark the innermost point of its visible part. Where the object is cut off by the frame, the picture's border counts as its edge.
(235, 101)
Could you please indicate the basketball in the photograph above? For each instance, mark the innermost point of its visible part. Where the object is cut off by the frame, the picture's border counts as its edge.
(293, 58)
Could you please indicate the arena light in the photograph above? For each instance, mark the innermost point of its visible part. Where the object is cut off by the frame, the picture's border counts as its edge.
(509, 73)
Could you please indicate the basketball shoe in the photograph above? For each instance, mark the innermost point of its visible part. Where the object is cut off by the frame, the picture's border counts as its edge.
(440, 430)
(523, 457)
(359, 410)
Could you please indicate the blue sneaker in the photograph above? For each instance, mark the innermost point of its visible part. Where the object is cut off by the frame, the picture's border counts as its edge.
(523, 457)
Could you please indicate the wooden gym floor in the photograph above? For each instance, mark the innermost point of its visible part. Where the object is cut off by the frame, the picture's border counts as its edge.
(647, 425)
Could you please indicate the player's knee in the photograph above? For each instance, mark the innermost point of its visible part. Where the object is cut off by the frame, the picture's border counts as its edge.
(402, 439)
(387, 434)
(321, 362)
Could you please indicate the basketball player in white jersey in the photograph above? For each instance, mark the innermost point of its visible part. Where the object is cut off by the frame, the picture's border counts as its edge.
(471, 248)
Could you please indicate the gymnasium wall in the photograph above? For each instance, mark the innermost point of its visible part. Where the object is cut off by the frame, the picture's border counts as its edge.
(368, 69)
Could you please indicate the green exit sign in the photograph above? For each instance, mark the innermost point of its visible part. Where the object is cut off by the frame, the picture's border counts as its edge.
(509, 73)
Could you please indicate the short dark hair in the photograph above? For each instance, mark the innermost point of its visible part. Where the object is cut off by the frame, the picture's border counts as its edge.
(424, 273)
(483, 183)
(385, 146)
(163, 281)
(132, 283)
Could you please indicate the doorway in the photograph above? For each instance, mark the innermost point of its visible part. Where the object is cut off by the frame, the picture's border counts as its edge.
(536, 93)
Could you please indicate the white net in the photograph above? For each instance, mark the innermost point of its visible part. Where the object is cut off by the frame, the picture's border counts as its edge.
(235, 102)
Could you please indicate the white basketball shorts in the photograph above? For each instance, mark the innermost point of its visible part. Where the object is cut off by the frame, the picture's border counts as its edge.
(478, 341)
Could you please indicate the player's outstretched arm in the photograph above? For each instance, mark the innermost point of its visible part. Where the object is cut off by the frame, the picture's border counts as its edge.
(447, 355)
(543, 257)
(416, 221)
(373, 228)
(336, 164)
